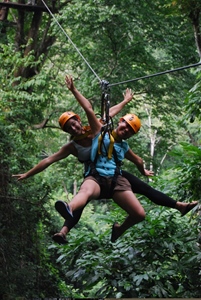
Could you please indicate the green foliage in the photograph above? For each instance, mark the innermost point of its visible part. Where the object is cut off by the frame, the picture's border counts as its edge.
(193, 102)
(188, 168)
(151, 260)
(131, 42)
(121, 41)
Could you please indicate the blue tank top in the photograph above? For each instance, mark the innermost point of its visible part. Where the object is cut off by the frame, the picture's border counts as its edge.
(104, 165)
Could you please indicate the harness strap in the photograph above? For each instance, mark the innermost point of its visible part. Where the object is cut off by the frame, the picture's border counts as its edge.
(117, 171)
(116, 137)
(93, 172)
(111, 145)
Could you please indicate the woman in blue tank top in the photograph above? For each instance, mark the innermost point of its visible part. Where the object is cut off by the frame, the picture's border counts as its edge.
(99, 181)
(80, 146)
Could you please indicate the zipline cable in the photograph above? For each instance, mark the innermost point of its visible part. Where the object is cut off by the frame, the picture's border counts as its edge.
(157, 74)
(105, 84)
(71, 41)
(122, 82)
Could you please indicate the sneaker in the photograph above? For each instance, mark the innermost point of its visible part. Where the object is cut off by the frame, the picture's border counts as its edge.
(64, 209)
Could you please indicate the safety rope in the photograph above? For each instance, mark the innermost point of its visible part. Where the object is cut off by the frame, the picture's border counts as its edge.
(157, 74)
(106, 120)
(105, 101)
(71, 41)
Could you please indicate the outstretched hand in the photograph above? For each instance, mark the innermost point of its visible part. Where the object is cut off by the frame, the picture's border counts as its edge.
(69, 83)
(20, 176)
(128, 95)
(148, 172)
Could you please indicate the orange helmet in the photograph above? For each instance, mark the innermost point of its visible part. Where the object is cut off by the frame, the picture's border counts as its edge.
(133, 121)
(65, 117)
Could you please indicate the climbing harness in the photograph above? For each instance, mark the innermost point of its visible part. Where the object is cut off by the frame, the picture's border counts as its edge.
(111, 181)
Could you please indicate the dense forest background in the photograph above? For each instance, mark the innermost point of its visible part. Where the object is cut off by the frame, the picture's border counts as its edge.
(116, 41)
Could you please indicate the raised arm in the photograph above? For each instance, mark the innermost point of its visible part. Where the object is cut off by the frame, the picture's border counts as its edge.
(128, 96)
(43, 164)
(138, 161)
(86, 105)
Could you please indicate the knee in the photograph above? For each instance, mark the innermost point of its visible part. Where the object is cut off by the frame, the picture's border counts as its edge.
(86, 191)
(140, 214)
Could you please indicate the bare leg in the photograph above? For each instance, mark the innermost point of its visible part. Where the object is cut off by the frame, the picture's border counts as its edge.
(128, 201)
(88, 190)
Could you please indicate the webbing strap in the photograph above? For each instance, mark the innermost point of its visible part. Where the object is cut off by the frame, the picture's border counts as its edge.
(117, 171)
(101, 142)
